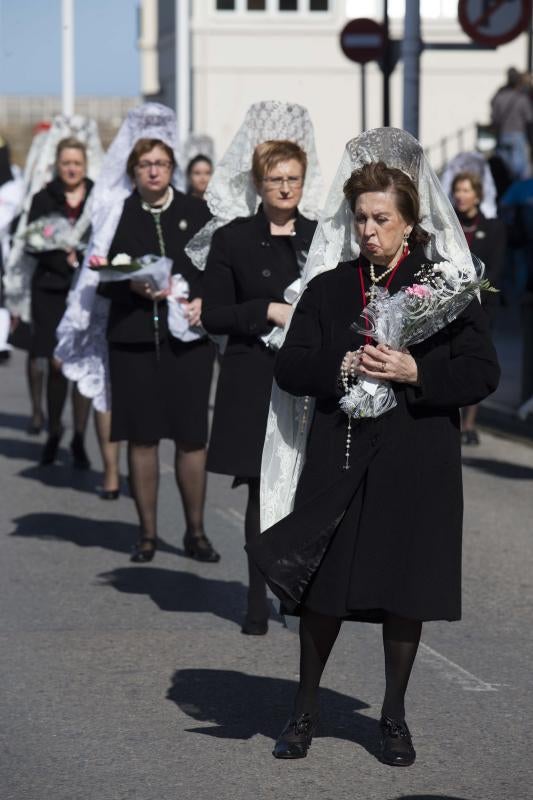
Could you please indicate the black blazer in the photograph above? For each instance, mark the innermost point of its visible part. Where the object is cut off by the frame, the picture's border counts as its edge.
(490, 245)
(131, 316)
(246, 270)
(53, 272)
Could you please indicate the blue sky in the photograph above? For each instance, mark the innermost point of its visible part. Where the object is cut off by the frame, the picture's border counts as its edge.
(107, 59)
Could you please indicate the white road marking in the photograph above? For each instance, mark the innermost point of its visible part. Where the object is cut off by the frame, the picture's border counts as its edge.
(453, 672)
(231, 515)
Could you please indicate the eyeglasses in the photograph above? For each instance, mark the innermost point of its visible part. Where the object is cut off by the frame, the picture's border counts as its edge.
(158, 165)
(276, 183)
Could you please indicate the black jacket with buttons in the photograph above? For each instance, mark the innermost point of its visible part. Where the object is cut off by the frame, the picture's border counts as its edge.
(131, 316)
(246, 270)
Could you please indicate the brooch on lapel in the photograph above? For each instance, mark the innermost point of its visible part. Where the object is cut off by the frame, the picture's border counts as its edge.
(480, 234)
(266, 273)
(183, 224)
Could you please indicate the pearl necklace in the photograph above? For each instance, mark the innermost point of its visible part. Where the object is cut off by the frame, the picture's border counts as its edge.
(371, 293)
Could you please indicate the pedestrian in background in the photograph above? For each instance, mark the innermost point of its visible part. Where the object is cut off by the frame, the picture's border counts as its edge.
(511, 115)
(486, 238)
(199, 172)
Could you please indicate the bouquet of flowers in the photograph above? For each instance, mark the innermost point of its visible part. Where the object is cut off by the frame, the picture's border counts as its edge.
(155, 270)
(406, 318)
(52, 232)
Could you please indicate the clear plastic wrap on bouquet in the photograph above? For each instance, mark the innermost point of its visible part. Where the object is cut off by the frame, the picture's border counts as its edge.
(54, 232)
(406, 318)
(155, 269)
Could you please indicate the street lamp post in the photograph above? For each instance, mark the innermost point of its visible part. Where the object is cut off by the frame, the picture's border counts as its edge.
(67, 62)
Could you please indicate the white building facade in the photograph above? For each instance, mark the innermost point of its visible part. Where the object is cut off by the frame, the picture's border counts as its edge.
(248, 50)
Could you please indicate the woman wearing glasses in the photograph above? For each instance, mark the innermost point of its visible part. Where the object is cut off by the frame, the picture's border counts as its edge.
(251, 263)
(159, 389)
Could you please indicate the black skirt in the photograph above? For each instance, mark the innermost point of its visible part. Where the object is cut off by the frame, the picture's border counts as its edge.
(165, 399)
(47, 309)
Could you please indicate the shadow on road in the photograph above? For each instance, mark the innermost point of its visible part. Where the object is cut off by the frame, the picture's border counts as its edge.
(18, 422)
(502, 469)
(239, 706)
(172, 590)
(84, 532)
(23, 449)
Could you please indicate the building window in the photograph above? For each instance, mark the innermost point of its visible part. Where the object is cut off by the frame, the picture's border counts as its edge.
(256, 5)
(318, 5)
(225, 5)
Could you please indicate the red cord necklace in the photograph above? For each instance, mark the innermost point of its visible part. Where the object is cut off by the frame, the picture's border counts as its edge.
(368, 339)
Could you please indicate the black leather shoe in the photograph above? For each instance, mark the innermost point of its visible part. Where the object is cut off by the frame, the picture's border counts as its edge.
(200, 548)
(470, 438)
(109, 494)
(295, 739)
(80, 459)
(49, 452)
(254, 628)
(144, 550)
(396, 744)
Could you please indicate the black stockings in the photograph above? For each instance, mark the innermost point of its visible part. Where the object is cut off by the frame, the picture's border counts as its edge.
(318, 633)
(257, 597)
(192, 480)
(35, 376)
(56, 395)
(400, 643)
(143, 463)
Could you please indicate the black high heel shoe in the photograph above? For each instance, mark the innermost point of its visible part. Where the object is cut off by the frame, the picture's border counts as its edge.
(144, 550)
(109, 494)
(396, 744)
(80, 459)
(254, 627)
(295, 739)
(200, 548)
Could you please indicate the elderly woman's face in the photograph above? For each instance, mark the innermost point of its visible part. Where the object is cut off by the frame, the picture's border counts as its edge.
(282, 187)
(153, 171)
(379, 226)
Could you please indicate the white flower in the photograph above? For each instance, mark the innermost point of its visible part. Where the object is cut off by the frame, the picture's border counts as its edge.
(121, 260)
(448, 272)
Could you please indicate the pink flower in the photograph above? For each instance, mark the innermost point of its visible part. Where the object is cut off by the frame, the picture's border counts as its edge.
(417, 290)
(48, 231)
(96, 262)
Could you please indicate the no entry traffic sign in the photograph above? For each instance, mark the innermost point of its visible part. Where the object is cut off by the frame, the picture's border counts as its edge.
(494, 22)
(363, 40)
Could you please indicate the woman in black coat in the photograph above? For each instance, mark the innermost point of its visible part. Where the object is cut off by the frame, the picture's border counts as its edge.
(380, 541)
(487, 240)
(159, 384)
(251, 263)
(66, 196)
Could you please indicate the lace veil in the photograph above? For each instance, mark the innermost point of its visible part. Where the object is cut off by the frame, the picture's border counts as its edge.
(82, 343)
(40, 169)
(231, 192)
(476, 163)
(290, 417)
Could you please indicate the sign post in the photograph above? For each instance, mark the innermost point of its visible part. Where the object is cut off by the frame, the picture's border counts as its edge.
(363, 40)
(494, 22)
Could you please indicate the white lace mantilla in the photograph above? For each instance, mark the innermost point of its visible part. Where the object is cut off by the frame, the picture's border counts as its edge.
(231, 192)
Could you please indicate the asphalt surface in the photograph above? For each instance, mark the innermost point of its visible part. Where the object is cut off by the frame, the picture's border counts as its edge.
(125, 681)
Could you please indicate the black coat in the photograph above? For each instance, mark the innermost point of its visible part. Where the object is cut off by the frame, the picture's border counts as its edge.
(53, 273)
(131, 316)
(489, 243)
(246, 270)
(386, 534)
(52, 278)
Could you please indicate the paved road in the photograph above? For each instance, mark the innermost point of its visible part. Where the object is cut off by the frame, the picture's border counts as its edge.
(123, 681)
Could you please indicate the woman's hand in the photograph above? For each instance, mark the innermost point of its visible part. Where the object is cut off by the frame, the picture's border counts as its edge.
(143, 289)
(72, 259)
(193, 311)
(382, 362)
(279, 313)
